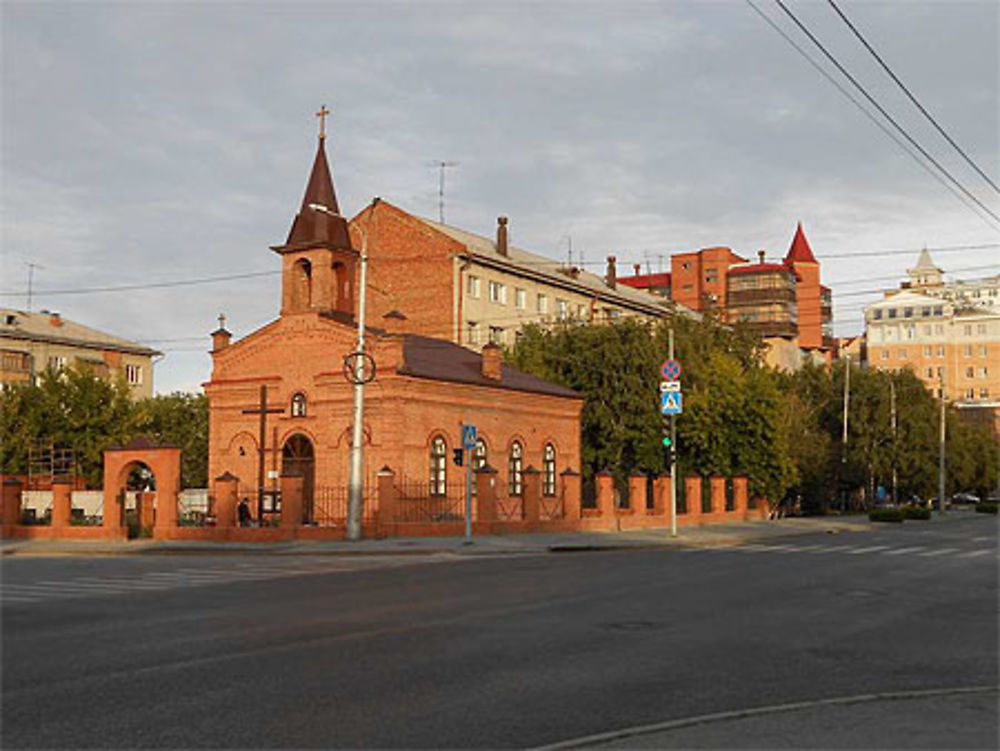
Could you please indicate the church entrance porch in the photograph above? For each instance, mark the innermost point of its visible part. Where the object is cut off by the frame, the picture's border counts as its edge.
(298, 457)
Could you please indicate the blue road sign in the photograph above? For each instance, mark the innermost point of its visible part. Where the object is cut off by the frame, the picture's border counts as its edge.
(670, 370)
(671, 403)
(469, 437)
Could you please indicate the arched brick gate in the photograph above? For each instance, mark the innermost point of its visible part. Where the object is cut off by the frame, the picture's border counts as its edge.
(165, 464)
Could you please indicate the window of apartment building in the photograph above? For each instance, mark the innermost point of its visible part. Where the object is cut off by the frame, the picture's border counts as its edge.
(928, 330)
(938, 328)
(940, 371)
(927, 351)
(925, 312)
(983, 372)
(908, 312)
(520, 296)
(613, 314)
(967, 329)
(438, 467)
(911, 331)
(498, 293)
(970, 393)
(496, 335)
(885, 354)
(473, 286)
(982, 350)
(581, 312)
(542, 304)
(938, 310)
(133, 373)
(562, 308)
(970, 372)
(57, 362)
(984, 393)
(685, 265)
(967, 350)
(930, 372)
(877, 314)
(902, 354)
(472, 332)
(892, 312)
(711, 275)
(980, 328)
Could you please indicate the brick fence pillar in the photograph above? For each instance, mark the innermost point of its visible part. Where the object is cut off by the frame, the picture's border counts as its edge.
(740, 496)
(144, 510)
(62, 503)
(532, 494)
(605, 483)
(386, 480)
(292, 486)
(661, 496)
(637, 494)
(571, 498)
(11, 501)
(486, 494)
(226, 491)
(692, 497)
(718, 494)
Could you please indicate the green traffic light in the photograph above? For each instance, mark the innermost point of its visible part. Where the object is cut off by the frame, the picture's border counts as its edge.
(666, 441)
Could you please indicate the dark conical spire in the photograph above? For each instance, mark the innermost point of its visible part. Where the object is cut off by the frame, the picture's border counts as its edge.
(319, 220)
(800, 252)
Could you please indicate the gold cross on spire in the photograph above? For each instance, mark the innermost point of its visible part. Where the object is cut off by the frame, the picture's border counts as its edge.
(323, 112)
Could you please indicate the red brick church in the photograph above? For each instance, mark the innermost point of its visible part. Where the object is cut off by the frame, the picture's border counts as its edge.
(424, 388)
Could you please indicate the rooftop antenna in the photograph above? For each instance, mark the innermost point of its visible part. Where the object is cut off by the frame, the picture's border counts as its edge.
(442, 166)
(31, 275)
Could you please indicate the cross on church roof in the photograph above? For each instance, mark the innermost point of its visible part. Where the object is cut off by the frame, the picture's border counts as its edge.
(323, 112)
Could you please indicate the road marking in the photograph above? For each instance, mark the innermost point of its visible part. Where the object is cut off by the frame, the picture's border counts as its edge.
(939, 551)
(870, 549)
(976, 553)
(900, 551)
(983, 538)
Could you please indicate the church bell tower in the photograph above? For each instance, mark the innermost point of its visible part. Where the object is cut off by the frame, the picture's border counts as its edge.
(318, 262)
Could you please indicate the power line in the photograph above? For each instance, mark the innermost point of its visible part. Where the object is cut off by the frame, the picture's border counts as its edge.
(882, 110)
(912, 98)
(146, 285)
(866, 113)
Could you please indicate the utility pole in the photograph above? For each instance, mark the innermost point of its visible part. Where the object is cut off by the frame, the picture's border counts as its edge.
(673, 449)
(941, 461)
(847, 399)
(892, 410)
(442, 165)
(355, 478)
(31, 275)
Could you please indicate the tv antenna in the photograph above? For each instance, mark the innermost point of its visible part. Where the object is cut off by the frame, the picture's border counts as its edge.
(31, 276)
(442, 166)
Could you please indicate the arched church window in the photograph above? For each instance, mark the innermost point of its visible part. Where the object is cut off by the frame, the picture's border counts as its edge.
(479, 455)
(299, 405)
(515, 466)
(549, 470)
(438, 466)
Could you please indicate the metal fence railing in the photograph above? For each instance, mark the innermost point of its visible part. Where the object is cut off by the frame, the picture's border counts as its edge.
(416, 503)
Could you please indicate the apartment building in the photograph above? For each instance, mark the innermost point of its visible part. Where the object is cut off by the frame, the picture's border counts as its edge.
(32, 342)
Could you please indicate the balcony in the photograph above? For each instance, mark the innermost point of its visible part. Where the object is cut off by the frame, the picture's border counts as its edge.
(786, 329)
(760, 296)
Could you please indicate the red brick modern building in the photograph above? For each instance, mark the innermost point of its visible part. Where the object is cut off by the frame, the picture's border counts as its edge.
(424, 390)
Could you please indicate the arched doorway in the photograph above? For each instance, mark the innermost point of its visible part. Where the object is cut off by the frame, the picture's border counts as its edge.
(144, 467)
(297, 456)
(138, 498)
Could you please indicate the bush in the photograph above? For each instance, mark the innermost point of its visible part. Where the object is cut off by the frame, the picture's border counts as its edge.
(986, 507)
(916, 512)
(886, 515)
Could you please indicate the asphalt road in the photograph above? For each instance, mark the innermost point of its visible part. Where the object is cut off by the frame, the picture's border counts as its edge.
(244, 651)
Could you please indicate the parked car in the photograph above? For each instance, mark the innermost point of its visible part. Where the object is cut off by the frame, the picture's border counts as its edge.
(965, 498)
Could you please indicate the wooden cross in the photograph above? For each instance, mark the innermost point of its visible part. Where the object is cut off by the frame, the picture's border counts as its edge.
(323, 112)
(263, 411)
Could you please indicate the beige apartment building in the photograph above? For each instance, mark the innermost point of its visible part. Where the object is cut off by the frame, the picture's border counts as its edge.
(32, 342)
(948, 333)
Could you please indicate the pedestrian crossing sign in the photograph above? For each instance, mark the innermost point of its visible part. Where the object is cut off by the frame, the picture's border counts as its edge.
(671, 403)
(469, 437)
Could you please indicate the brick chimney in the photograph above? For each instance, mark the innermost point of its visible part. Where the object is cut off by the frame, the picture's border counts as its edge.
(612, 276)
(491, 362)
(636, 268)
(502, 235)
(55, 319)
(760, 255)
(220, 337)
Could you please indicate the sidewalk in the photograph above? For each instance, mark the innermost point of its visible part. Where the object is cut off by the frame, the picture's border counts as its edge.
(721, 535)
(713, 536)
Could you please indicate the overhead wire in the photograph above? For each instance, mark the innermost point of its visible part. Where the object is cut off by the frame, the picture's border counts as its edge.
(829, 56)
(911, 97)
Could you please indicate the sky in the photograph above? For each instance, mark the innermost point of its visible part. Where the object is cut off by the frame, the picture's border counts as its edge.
(153, 143)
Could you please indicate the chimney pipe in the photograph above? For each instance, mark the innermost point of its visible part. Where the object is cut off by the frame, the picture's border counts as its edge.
(760, 255)
(491, 362)
(502, 235)
(636, 268)
(612, 277)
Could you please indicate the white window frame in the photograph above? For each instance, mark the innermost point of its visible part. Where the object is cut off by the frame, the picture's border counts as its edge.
(473, 286)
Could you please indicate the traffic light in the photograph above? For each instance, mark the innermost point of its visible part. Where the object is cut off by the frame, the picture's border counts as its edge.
(667, 443)
(456, 456)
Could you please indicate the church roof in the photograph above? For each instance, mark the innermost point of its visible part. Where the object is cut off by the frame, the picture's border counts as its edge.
(319, 220)
(441, 360)
(800, 252)
(924, 262)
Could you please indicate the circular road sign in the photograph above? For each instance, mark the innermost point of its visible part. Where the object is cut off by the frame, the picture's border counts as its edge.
(670, 370)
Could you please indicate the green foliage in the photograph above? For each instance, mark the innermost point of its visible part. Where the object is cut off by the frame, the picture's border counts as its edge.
(79, 410)
(920, 513)
(886, 515)
(986, 507)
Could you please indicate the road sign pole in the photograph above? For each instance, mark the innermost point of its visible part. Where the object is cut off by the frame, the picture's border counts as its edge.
(673, 453)
(468, 496)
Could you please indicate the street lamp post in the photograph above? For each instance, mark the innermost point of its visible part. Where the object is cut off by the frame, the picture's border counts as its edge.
(355, 476)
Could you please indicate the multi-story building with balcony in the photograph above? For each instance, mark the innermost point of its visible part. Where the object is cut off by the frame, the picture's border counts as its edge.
(947, 333)
(32, 342)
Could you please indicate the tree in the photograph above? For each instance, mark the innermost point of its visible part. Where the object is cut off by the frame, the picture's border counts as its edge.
(179, 419)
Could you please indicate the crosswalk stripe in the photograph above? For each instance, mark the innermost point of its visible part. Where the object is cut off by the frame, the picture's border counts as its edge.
(976, 553)
(939, 551)
(900, 551)
(870, 549)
